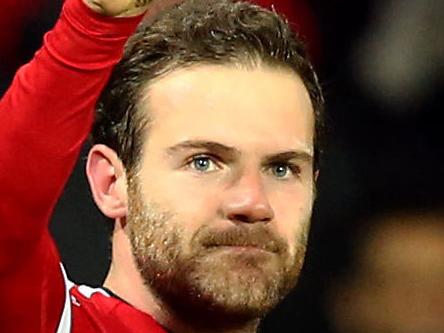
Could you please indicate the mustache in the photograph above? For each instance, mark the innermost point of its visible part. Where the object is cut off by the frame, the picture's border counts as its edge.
(258, 236)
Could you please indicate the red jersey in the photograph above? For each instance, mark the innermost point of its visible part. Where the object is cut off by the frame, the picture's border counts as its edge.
(94, 310)
(45, 117)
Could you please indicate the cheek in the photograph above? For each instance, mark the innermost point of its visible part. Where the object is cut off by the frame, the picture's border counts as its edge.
(193, 203)
(292, 214)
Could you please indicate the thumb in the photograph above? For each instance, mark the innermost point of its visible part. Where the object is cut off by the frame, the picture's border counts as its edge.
(118, 8)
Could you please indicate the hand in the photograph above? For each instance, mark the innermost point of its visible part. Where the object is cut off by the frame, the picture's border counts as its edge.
(119, 8)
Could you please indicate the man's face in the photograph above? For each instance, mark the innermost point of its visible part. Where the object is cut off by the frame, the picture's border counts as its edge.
(220, 206)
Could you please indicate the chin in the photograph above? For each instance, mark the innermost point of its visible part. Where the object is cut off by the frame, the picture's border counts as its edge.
(239, 290)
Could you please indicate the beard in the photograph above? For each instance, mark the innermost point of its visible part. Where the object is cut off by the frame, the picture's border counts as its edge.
(241, 272)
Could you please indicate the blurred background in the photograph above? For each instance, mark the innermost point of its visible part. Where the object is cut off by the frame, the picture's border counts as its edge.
(375, 261)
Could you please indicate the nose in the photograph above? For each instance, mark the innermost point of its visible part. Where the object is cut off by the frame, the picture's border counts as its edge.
(246, 201)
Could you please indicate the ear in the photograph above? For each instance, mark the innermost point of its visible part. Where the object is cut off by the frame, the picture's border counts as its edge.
(107, 180)
(315, 181)
(316, 175)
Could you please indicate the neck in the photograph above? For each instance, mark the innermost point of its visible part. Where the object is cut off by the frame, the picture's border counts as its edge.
(125, 280)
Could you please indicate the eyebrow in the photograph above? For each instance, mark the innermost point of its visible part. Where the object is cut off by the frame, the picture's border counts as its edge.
(300, 155)
(232, 152)
(207, 145)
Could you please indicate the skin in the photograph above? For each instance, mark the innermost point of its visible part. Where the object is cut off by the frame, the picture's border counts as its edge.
(128, 8)
(212, 166)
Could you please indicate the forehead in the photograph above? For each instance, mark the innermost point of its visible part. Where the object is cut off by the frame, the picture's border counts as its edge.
(233, 105)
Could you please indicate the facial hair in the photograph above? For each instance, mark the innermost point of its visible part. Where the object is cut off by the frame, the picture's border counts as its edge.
(203, 276)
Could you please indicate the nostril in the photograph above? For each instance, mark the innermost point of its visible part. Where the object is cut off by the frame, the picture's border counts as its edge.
(240, 218)
(245, 218)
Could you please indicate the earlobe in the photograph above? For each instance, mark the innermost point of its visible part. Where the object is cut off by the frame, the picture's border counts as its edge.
(107, 180)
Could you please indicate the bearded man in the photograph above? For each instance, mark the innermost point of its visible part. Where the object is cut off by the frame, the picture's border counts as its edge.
(205, 155)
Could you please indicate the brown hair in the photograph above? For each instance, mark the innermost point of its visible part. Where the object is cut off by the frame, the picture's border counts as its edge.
(196, 32)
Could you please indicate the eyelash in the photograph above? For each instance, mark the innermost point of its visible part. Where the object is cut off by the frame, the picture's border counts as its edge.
(293, 168)
(192, 159)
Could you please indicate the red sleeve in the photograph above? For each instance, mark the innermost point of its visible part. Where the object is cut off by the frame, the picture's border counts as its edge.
(44, 118)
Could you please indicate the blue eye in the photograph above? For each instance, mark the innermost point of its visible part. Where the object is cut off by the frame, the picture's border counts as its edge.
(285, 170)
(280, 170)
(202, 164)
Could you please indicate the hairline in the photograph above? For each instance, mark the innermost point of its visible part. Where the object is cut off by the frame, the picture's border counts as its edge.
(246, 62)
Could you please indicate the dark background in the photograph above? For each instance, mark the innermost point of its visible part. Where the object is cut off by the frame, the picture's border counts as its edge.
(383, 151)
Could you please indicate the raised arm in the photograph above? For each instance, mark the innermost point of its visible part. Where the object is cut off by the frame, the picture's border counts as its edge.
(44, 118)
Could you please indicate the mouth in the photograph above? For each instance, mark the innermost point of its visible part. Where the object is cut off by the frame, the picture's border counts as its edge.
(242, 249)
(243, 240)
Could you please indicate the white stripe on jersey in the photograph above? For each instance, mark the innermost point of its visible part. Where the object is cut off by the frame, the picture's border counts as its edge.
(65, 320)
(88, 291)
